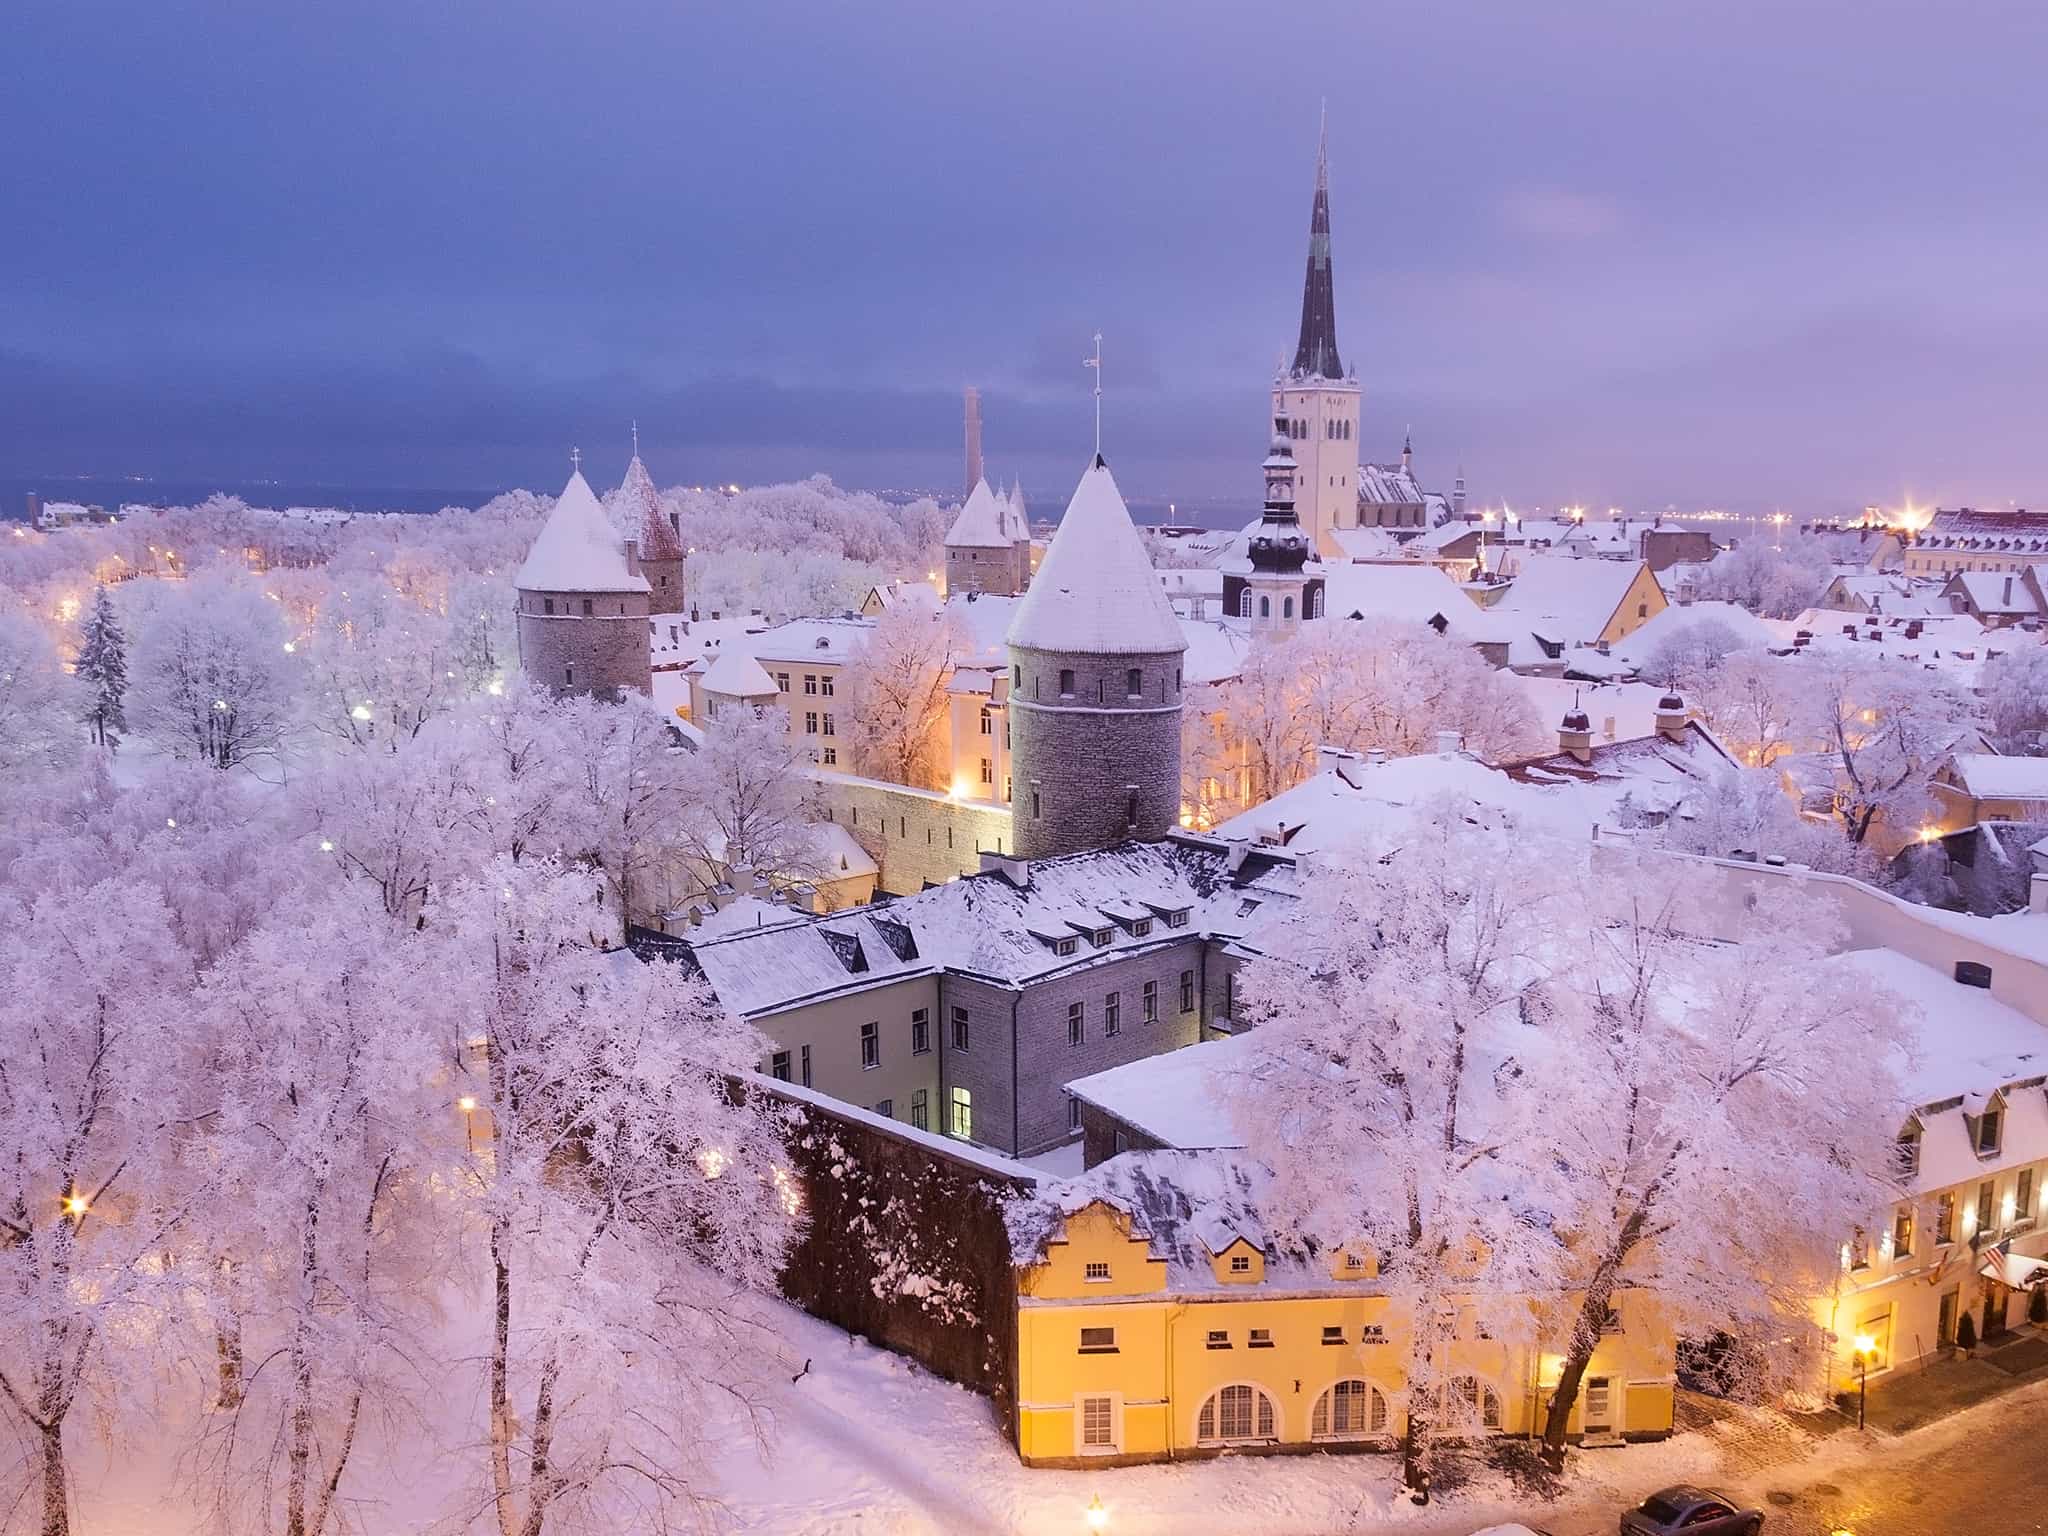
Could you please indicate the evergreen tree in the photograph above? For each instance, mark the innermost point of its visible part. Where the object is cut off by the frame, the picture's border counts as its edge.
(103, 668)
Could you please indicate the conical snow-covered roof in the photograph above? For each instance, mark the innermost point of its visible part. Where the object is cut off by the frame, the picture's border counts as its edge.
(1016, 524)
(577, 551)
(1095, 592)
(646, 519)
(980, 523)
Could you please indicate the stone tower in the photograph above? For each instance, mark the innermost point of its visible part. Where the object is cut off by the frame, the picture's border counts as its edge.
(1095, 686)
(1279, 582)
(982, 546)
(582, 610)
(1316, 401)
(653, 548)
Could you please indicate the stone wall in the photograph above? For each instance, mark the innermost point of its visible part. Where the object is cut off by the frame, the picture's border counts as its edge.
(1084, 753)
(604, 652)
(665, 580)
(904, 1244)
(918, 836)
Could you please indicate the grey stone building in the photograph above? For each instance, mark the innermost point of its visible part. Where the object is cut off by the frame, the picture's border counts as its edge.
(1095, 686)
(967, 1009)
(988, 548)
(654, 550)
(582, 610)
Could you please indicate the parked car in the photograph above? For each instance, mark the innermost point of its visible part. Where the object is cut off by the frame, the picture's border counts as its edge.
(1687, 1511)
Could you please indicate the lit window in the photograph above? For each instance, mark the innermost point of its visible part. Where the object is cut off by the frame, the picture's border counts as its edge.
(963, 1113)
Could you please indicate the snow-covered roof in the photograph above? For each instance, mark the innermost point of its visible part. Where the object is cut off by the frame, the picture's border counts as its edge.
(1016, 519)
(1367, 543)
(1749, 630)
(800, 640)
(981, 522)
(840, 854)
(734, 674)
(640, 513)
(1094, 592)
(1989, 776)
(576, 549)
(1216, 649)
(1409, 589)
(1388, 485)
(1576, 596)
(778, 966)
(1175, 1098)
(982, 620)
(2000, 592)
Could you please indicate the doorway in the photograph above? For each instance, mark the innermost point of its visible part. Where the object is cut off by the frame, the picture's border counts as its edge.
(1599, 1424)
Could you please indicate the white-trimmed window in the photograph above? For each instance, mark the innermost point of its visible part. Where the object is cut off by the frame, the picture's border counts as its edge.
(1350, 1410)
(1470, 1405)
(1096, 1271)
(1096, 1421)
(1239, 1414)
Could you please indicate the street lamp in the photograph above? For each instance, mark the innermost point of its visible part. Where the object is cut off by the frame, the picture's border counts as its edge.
(1098, 1517)
(467, 1104)
(1866, 1347)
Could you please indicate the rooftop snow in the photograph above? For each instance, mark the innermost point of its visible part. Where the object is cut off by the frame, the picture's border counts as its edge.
(1581, 595)
(1988, 776)
(642, 515)
(981, 523)
(737, 675)
(576, 549)
(1095, 592)
(1172, 1097)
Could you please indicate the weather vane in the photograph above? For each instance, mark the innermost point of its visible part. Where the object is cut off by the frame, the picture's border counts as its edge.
(1095, 362)
(576, 459)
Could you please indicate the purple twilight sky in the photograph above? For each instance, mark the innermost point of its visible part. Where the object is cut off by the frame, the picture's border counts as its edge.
(1746, 252)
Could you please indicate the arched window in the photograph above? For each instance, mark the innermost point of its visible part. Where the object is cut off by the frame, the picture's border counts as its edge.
(1244, 604)
(1350, 1410)
(1315, 603)
(1470, 1405)
(1265, 607)
(1287, 607)
(1236, 1415)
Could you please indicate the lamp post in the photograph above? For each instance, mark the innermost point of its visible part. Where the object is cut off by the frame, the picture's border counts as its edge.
(1866, 1346)
(467, 1104)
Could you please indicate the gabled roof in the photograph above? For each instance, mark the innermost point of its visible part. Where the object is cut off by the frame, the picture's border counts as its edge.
(736, 675)
(1579, 596)
(1095, 592)
(1175, 1097)
(1989, 776)
(576, 549)
(980, 523)
(646, 519)
(1016, 520)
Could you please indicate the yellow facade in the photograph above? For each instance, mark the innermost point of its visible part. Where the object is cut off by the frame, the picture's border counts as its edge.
(1114, 1364)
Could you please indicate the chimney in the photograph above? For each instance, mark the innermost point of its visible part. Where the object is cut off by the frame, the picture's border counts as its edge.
(1377, 757)
(1448, 742)
(1331, 759)
(632, 557)
(1575, 735)
(1016, 871)
(972, 402)
(1671, 717)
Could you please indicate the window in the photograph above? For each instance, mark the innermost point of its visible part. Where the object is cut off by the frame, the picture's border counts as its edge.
(1073, 1113)
(1112, 1013)
(1945, 1217)
(810, 722)
(1187, 990)
(920, 1109)
(586, 608)
(778, 1066)
(831, 757)
(1034, 802)
(1988, 1127)
(1066, 682)
(870, 1047)
(782, 682)
(1177, 919)
(1134, 683)
(1902, 1233)
(1945, 1321)
(1130, 806)
(1332, 1334)
(1244, 603)
(810, 682)
(1017, 676)
(1859, 1250)
(824, 685)
(1064, 946)
(920, 1031)
(807, 1066)
(1373, 1333)
(1118, 1141)
(1265, 607)
(547, 606)
(1219, 1338)
(1098, 1424)
(1642, 610)
(1984, 1194)
(886, 1109)
(1141, 927)
(1230, 994)
(1287, 607)
(1261, 1338)
(828, 725)
(963, 1114)
(988, 722)
(1235, 1413)
(1349, 1410)
(1075, 1015)
(569, 674)
(1353, 1259)
(1240, 1263)
(1101, 690)
(1099, 937)
(1098, 1341)
(988, 771)
(1611, 1323)
(1470, 1404)
(1151, 1002)
(959, 1029)
(2023, 1198)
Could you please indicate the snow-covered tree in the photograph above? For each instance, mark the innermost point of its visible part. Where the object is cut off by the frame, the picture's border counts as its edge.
(212, 677)
(895, 686)
(1689, 656)
(2015, 689)
(1884, 727)
(380, 668)
(1750, 700)
(102, 667)
(1778, 578)
(1727, 1098)
(635, 1197)
(1402, 1081)
(90, 1194)
(626, 809)
(1749, 811)
(750, 805)
(38, 699)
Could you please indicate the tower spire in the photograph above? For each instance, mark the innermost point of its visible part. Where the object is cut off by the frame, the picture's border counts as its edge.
(636, 437)
(1315, 355)
(1095, 362)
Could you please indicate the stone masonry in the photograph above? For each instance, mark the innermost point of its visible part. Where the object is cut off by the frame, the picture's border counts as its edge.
(596, 643)
(1081, 755)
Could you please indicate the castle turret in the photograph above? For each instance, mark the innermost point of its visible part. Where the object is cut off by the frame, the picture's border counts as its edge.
(1279, 581)
(982, 546)
(582, 609)
(1095, 686)
(655, 549)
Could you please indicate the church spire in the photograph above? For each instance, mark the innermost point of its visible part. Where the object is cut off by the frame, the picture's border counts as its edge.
(1315, 355)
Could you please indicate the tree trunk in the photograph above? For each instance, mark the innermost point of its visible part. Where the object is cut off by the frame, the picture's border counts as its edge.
(1586, 1330)
(501, 1400)
(56, 1487)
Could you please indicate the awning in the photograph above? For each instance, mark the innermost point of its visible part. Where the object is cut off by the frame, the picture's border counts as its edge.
(2014, 1270)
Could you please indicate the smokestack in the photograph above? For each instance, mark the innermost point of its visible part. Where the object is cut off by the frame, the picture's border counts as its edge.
(1575, 734)
(972, 401)
(1671, 718)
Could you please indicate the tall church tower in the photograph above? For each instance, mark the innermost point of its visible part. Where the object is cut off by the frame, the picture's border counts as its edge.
(1316, 401)
(1095, 686)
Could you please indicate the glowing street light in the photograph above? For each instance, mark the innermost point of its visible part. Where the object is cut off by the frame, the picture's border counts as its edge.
(1866, 1347)
(1097, 1516)
(76, 1205)
(360, 712)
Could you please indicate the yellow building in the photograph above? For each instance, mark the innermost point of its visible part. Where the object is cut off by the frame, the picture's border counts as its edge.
(1157, 1320)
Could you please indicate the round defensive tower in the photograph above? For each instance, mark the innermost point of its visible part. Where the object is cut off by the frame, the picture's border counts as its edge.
(583, 613)
(1095, 686)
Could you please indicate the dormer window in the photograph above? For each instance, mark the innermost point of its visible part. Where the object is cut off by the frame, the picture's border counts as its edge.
(1990, 1126)
(1907, 1153)
(1064, 946)
(1141, 927)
